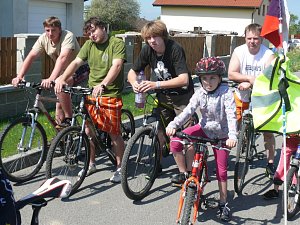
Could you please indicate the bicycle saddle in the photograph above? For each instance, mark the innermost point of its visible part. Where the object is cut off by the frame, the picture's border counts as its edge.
(51, 188)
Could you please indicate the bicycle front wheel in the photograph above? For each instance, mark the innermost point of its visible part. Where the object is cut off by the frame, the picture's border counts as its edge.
(127, 125)
(68, 157)
(292, 192)
(188, 205)
(140, 163)
(242, 157)
(23, 149)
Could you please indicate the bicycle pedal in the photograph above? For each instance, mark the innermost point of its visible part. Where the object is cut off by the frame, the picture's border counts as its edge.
(211, 204)
(176, 185)
(260, 156)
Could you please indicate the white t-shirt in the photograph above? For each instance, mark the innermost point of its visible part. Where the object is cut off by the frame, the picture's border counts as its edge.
(251, 65)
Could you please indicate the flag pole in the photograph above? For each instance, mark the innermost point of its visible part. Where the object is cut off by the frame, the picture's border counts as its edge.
(283, 121)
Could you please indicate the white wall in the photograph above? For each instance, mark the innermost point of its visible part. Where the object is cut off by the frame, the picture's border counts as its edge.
(14, 16)
(186, 18)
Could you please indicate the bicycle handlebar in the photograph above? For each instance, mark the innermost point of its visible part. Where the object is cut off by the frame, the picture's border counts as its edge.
(77, 90)
(216, 143)
(25, 84)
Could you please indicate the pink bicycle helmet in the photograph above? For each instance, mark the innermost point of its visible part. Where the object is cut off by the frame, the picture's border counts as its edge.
(210, 65)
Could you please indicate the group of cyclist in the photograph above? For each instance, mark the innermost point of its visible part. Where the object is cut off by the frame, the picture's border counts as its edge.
(220, 108)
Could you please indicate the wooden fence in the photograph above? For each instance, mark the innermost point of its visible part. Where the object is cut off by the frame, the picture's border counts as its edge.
(194, 49)
(8, 59)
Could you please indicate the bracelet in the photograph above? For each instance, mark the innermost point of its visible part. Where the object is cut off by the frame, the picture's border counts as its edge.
(158, 84)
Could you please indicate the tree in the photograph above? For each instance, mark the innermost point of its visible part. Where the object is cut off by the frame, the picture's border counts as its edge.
(119, 14)
(294, 25)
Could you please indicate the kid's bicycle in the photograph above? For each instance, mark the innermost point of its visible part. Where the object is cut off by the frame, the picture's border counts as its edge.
(192, 191)
(141, 158)
(69, 152)
(23, 143)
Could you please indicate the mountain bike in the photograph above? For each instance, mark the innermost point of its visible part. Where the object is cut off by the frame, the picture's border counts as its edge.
(246, 150)
(69, 151)
(293, 189)
(192, 191)
(141, 158)
(23, 143)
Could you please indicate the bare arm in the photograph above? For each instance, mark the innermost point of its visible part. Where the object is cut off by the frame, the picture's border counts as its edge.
(25, 67)
(61, 63)
(110, 77)
(62, 80)
(234, 71)
(180, 81)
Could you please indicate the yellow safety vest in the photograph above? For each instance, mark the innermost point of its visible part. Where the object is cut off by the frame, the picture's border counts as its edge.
(275, 85)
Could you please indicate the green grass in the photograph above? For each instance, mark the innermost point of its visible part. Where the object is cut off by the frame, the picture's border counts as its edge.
(294, 57)
(128, 103)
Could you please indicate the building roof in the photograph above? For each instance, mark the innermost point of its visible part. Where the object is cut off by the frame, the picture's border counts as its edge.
(210, 3)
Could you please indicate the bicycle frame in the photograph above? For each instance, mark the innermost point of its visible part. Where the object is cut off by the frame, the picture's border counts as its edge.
(156, 114)
(199, 162)
(85, 115)
(33, 113)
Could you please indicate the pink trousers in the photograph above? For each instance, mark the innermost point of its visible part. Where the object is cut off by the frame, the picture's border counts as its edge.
(221, 156)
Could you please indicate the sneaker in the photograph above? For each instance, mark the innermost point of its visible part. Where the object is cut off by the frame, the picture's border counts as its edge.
(271, 194)
(270, 170)
(179, 178)
(223, 212)
(92, 169)
(116, 178)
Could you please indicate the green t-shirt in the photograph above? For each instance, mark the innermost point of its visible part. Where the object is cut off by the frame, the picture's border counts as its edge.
(100, 57)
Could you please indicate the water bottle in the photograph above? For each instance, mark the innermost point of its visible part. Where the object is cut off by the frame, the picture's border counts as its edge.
(140, 97)
(297, 154)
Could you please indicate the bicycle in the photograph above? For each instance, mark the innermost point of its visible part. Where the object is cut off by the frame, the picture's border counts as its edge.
(69, 151)
(191, 194)
(246, 149)
(142, 154)
(293, 189)
(23, 143)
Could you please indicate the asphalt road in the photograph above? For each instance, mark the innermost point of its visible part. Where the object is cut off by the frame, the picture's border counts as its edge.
(100, 202)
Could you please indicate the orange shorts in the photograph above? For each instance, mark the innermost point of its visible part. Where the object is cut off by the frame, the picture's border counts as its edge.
(107, 116)
(240, 107)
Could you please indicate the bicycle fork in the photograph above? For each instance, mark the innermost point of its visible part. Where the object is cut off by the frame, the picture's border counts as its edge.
(22, 148)
(193, 182)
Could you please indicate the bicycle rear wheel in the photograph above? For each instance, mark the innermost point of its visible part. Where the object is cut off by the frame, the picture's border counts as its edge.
(23, 151)
(292, 192)
(140, 163)
(127, 125)
(242, 157)
(68, 155)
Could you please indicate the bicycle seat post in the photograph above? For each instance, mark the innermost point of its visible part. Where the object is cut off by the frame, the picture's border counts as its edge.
(36, 207)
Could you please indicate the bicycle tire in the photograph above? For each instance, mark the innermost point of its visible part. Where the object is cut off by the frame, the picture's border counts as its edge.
(64, 160)
(127, 131)
(292, 193)
(242, 158)
(127, 125)
(21, 163)
(188, 205)
(140, 163)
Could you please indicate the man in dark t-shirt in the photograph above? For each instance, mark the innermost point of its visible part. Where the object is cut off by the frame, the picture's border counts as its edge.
(174, 85)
